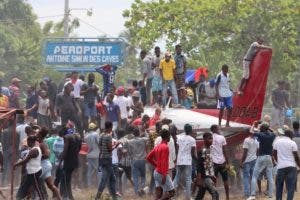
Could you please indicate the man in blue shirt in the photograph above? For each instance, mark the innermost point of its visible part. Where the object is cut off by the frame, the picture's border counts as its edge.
(108, 72)
(113, 112)
(264, 159)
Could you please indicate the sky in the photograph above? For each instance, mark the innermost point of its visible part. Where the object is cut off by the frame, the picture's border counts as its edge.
(106, 18)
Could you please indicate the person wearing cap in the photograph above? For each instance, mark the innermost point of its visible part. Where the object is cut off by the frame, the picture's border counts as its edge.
(280, 100)
(157, 86)
(167, 68)
(250, 147)
(137, 106)
(186, 152)
(180, 70)
(147, 71)
(14, 90)
(285, 153)
(124, 106)
(248, 58)
(89, 91)
(264, 159)
(92, 140)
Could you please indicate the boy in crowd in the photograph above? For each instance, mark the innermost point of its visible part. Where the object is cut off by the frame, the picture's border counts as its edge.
(159, 158)
(206, 178)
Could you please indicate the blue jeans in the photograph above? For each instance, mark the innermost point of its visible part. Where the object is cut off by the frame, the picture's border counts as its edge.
(107, 176)
(171, 84)
(138, 169)
(248, 168)
(92, 171)
(263, 162)
(289, 175)
(186, 171)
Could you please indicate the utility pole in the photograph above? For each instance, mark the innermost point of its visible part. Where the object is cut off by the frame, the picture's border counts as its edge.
(66, 19)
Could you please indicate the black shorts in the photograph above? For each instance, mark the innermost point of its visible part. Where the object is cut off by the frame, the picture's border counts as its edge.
(220, 168)
(30, 180)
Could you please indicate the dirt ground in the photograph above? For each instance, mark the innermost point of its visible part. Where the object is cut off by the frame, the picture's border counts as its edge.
(236, 193)
(89, 194)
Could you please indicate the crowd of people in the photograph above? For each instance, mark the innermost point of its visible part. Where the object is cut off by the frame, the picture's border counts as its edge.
(120, 143)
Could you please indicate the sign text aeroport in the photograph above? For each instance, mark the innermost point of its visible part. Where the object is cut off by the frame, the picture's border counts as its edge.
(85, 53)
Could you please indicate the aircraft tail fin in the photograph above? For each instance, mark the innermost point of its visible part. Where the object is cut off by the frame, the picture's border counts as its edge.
(248, 107)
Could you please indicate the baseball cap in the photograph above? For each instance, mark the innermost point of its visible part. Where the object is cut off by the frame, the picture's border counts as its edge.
(136, 94)
(120, 91)
(15, 80)
(167, 54)
(92, 125)
(165, 127)
(280, 131)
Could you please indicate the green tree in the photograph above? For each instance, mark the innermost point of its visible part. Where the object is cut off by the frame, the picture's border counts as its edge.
(217, 32)
(130, 67)
(19, 40)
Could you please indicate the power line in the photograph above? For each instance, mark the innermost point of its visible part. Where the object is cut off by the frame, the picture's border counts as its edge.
(16, 20)
(94, 27)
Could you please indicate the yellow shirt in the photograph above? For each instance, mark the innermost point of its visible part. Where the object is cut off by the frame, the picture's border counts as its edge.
(3, 101)
(167, 69)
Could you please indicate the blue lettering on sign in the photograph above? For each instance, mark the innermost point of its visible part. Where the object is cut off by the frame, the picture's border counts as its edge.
(93, 53)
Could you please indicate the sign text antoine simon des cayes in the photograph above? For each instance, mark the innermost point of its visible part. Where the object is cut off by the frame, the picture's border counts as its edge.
(85, 53)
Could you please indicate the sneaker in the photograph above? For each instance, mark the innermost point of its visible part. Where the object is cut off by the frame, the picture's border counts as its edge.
(251, 198)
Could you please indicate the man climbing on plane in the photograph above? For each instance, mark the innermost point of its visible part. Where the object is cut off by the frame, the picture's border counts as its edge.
(248, 58)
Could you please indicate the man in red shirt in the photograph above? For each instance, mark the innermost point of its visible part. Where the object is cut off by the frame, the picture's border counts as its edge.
(156, 117)
(142, 123)
(159, 158)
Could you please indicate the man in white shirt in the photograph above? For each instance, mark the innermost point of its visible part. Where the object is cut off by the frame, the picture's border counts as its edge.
(250, 147)
(124, 106)
(219, 157)
(224, 94)
(77, 84)
(285, 153)
(186, 151)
